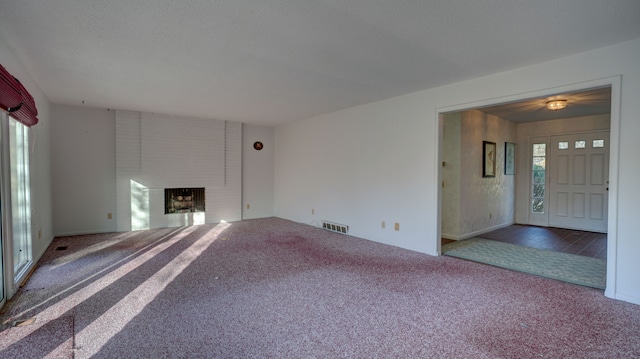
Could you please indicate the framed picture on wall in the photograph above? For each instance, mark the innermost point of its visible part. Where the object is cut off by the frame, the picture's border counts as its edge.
(488, 159)
(509, 158)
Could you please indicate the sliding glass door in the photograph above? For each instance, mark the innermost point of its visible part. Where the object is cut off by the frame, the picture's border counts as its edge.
(2, 295)
(20, 195)
(15, 207)
(4, 270)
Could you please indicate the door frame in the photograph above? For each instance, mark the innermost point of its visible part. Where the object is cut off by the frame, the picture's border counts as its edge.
(615, 83)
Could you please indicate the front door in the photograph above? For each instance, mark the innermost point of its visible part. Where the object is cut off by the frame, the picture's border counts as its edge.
(579, 181)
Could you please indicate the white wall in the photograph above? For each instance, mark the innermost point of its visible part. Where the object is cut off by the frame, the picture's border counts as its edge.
(83, 170)
(83, 153)
(40, 168)
(257, 172)
(381, 161)
(359, 167)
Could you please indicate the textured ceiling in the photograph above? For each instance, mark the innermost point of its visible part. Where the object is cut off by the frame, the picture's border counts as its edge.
(580, 103)
(270, 62)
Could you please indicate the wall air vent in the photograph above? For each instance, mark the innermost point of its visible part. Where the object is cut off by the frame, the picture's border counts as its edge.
(334, 227)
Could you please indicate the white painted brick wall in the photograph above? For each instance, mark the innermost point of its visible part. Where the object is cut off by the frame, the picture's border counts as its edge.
(128, 149)
(162, 151)
(233, 192)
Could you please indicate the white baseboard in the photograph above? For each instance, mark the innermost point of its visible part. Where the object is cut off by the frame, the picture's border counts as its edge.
(482, 231)
(450, 236)
(626, 298)
(82, 233)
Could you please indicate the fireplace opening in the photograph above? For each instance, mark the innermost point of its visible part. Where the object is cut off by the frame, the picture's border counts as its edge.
(183, 200)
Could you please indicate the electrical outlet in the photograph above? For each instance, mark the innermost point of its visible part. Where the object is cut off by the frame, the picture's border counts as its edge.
(397, 226)
(109, 215)
(490, 215)
(248, 206)
(383, 224)
(39, 233)
(313, 211)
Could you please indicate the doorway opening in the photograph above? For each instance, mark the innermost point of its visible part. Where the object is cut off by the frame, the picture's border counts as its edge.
(472, 205)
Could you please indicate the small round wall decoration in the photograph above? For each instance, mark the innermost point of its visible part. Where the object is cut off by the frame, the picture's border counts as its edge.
(257, 145)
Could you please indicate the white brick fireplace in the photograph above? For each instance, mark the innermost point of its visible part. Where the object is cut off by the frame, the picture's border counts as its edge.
(155, 152)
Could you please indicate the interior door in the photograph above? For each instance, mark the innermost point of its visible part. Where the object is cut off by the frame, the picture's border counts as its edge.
(579, 181)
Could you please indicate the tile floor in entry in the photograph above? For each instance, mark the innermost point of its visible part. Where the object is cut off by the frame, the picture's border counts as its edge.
(589, 244)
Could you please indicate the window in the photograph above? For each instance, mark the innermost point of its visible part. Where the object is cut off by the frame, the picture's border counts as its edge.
(598, 143)
(539, 174)
(581, 144)
(563, 145)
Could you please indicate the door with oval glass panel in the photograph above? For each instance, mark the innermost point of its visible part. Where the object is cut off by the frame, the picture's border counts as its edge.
(579, 181)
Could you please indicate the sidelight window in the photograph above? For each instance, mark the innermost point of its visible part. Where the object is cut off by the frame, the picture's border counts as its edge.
(539, 174)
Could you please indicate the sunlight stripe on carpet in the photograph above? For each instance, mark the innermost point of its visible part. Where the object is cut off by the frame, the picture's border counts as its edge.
(586, 271)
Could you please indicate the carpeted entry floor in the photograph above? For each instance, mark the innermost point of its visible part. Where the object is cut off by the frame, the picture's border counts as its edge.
(271, 288)
(571, 268)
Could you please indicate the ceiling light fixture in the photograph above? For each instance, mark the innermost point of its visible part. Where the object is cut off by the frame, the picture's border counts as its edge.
(556, 105)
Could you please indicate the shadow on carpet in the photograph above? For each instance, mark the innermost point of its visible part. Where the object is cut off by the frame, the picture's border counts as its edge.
(586, 271)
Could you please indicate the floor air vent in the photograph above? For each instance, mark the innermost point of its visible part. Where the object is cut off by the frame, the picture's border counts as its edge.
(334, 227)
